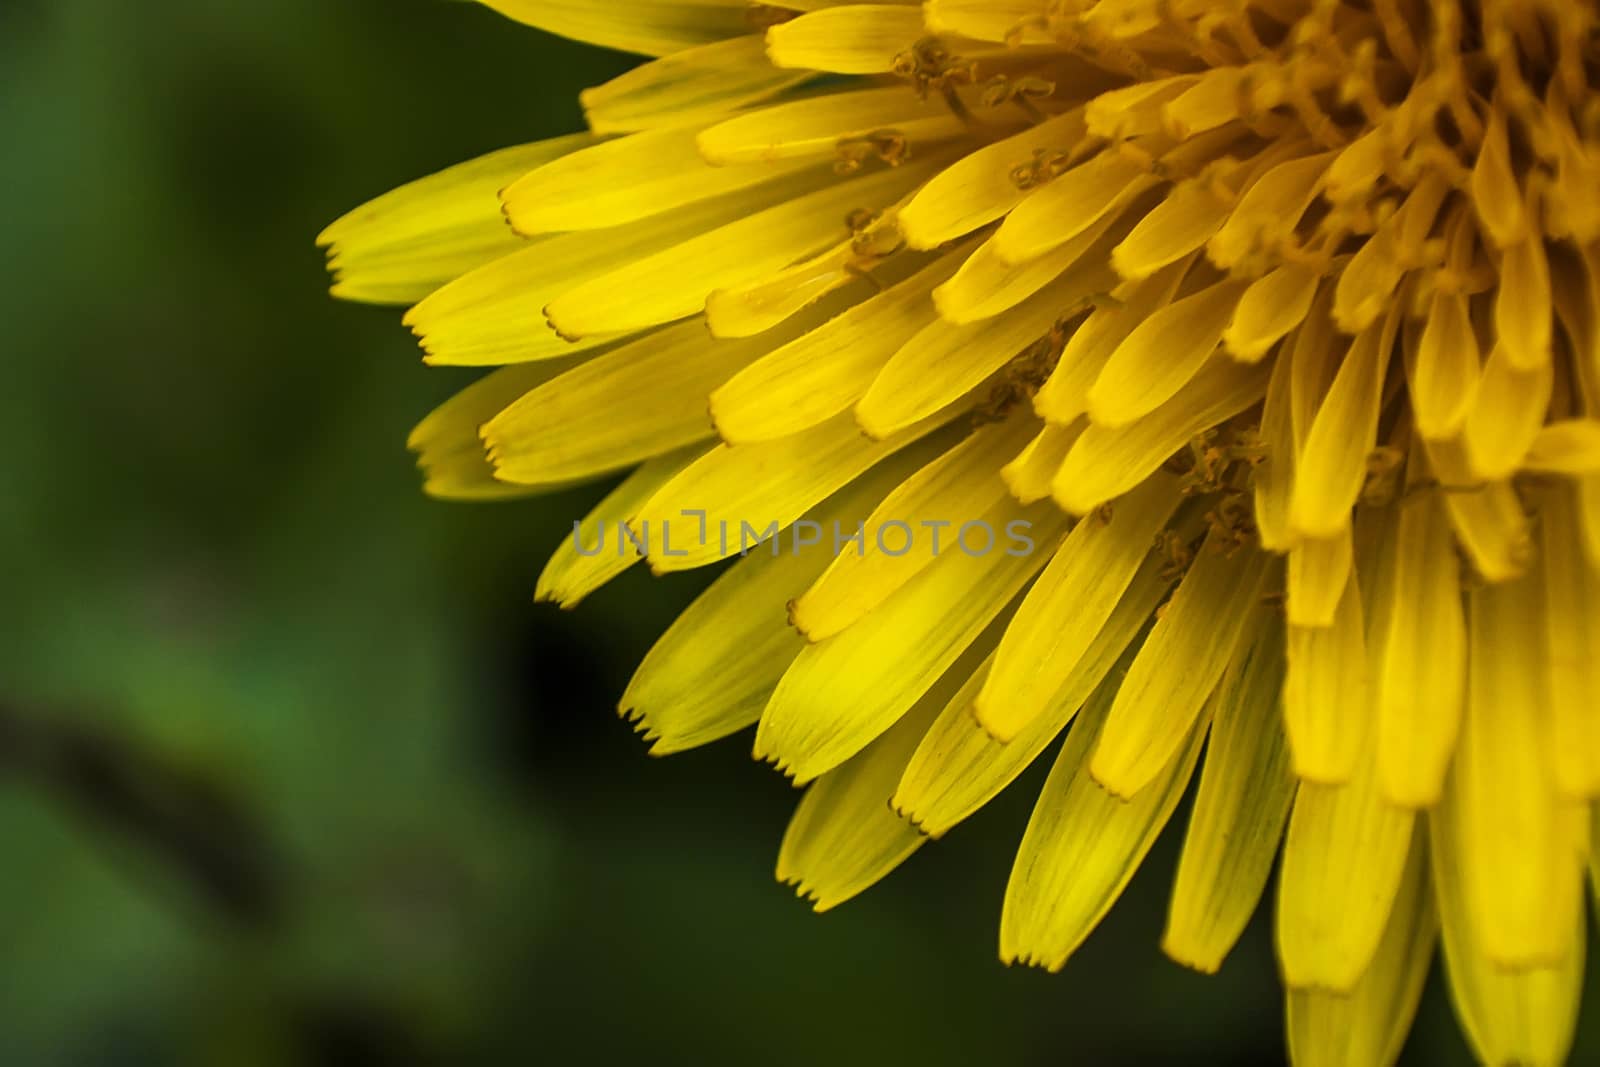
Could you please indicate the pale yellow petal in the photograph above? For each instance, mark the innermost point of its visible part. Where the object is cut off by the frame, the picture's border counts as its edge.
(1105, 463)
(628, 179)
(1029, 475)
(1273, 305)
(694, 85)
(1162, 354)
(1512, 835)
(675, 282)
(1507, 413)
(735, 497)
(844, 837)
(1522, 1017)
(1064, 611)
(1064, 396)
(639, 400)
(1190, 647)
(649, 27)
(1346, 844)
(960, 766)
(841, 693)
(1368, 1025)
(405, 244)
(1327, 701)
(1572, 645)
(1246, 788)
(1083, 845)
(1422, 656)
(716, 667)
(853, 39)
(1332, 466)
(934, 502)
(982, 186)
(598, 550)
(827, 370)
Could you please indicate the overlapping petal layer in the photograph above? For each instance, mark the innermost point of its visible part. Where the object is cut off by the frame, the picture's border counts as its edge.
(1265, 335)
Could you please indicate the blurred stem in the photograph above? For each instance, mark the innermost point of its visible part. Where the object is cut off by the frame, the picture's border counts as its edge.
(188, 821)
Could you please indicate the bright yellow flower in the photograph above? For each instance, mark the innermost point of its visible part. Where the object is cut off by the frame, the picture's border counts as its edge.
(1277, 324)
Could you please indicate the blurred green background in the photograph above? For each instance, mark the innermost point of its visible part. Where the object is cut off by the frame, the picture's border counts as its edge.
(291, 768)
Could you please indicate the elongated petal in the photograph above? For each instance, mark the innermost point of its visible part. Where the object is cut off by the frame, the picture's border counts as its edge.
(1167, 687)
(934, 502)
(960, 766)
(842, 693)
(1062, 614)
(1083, 845)
(1246, 788)
(1346, 844)
(1368, 1025)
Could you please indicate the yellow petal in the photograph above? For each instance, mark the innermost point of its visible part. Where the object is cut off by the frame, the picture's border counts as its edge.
(1028, 476)
(1273, 305)
(405, 244)
(694, 85)
(716, 667)
(496, 314)
(675, 282)
(844, 837)
(628, 179)
(1189, 217)
(1065, 394)
(816, 127)
(982, 187)
(598, 551)
(1190, 647)
(1506, 416)
(934, 501)
(1345, 844)
(1083, 845)
(827, 370)
(1488, 519)
(840, 694)
(1495, 193)
(1269, 210)
(853, 39)
(1105, 463)
(1444, 381)
(1332, 467)
(648, 27)
(1525, 1016)
(1421, 682)
(1063, 612)
(1161, 355)
(1319, 571)
(642, 399)
(1368, 1025)
(960, 766)
(1572, 642)
(1246, 788)
(447, 442)
(1512, 835)
(1369, 281)
(1071, 203)
(1566, 446)
(944, 361)
(1274, 475)
(987, 285)
(726, 502)
(1326, 698)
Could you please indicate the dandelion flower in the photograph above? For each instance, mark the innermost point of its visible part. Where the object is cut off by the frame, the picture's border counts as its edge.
(1275, 325)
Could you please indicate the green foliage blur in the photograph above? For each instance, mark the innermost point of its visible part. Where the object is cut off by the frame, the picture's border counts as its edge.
(292, 770)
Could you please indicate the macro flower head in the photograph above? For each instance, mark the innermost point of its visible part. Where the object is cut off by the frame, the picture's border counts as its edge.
(1275, 324)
